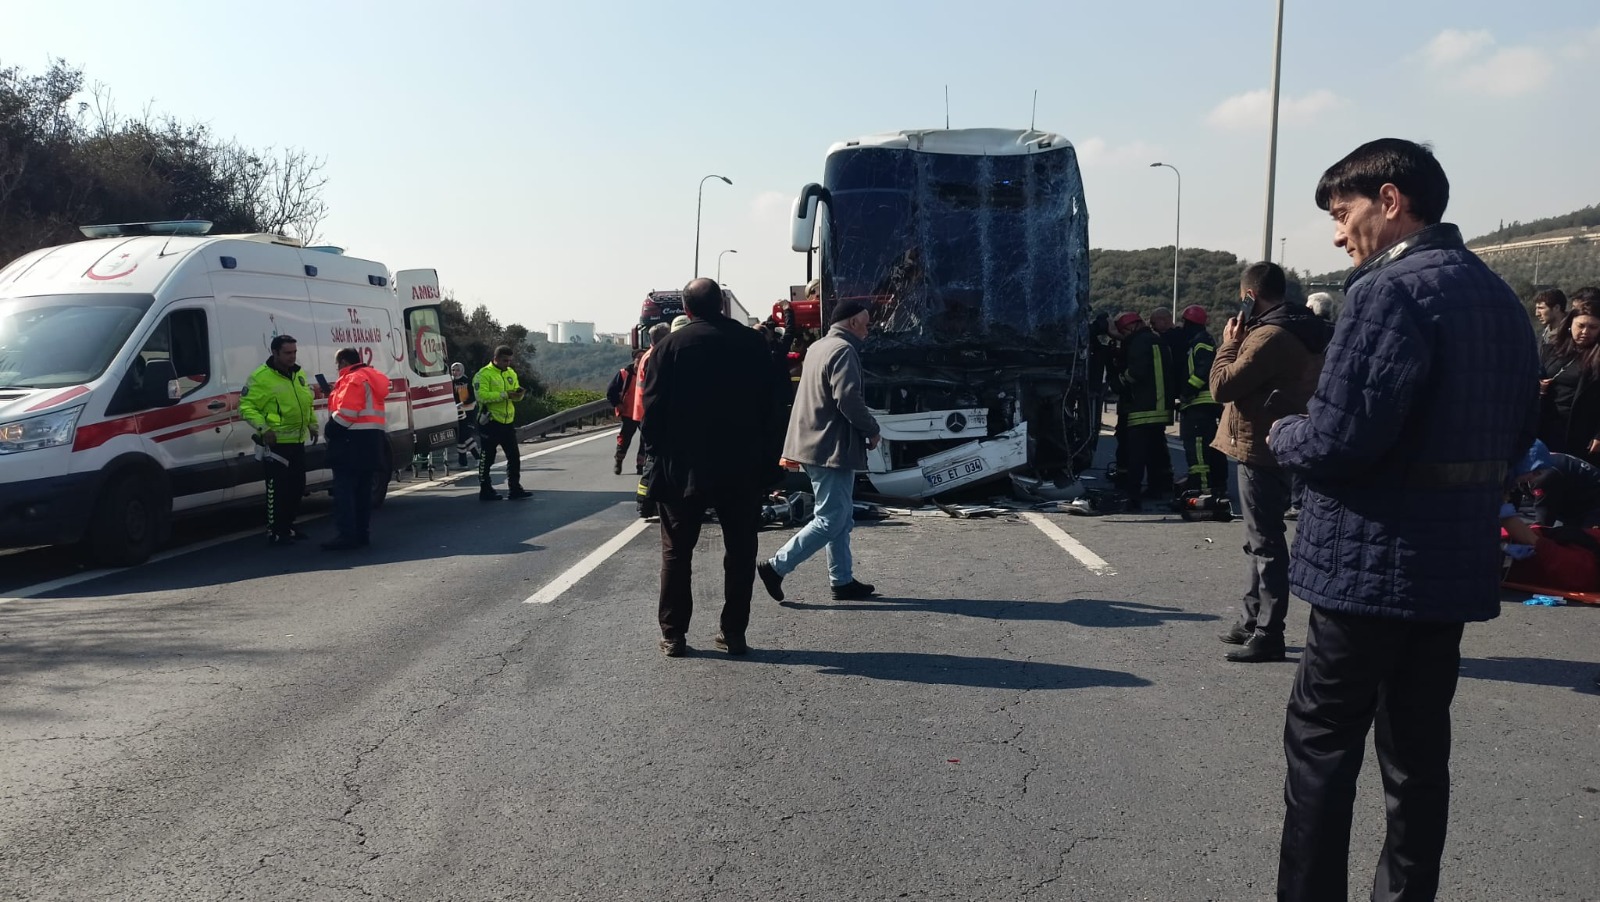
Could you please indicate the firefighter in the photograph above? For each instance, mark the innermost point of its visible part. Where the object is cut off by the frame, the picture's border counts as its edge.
(357, 430)
(498, 392)
(1198, 414)
(617, 393)
(277, 403)
(1148, 409)
(466, 415)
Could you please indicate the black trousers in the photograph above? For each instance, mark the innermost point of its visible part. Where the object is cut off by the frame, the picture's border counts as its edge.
(739, 514)
(355, 456)
(1147, 454)
(286, 485)
(504, 437)
(625, 439)
(1208, 467)
(1263, 501)
(1357, 671)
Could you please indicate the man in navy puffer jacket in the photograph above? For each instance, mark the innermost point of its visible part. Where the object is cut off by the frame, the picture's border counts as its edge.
(1429, 392)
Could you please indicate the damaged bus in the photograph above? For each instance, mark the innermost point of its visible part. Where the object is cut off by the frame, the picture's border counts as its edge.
(972, 247)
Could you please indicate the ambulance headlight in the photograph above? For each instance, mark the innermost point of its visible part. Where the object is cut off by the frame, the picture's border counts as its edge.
(45, 431)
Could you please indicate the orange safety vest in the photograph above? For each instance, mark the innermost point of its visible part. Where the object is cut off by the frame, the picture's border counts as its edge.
(357, 401)
(633, 404)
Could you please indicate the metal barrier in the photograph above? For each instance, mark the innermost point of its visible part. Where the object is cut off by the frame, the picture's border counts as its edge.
(597, 410)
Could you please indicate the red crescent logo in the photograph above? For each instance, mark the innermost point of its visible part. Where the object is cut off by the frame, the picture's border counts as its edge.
(90, 272)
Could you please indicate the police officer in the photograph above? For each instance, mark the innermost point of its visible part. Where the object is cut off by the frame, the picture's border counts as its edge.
(276, 402)
(498, 392)
(1198, 413)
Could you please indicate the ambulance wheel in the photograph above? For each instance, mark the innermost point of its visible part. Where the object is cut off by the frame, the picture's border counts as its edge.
(131, 521)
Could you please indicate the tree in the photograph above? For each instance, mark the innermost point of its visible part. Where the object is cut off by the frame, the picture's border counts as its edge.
(66, 163)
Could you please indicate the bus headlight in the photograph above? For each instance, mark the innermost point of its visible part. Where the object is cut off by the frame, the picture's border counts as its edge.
(45, 431)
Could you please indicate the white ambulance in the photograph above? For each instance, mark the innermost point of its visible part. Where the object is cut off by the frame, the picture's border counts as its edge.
(122, 359)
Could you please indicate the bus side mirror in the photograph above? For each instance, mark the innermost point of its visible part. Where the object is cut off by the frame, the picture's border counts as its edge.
(803, 225)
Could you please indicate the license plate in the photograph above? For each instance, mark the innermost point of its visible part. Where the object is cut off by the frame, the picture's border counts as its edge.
(442, 437)
(956, 471)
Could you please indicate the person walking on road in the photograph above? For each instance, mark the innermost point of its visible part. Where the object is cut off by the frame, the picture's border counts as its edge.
(709, 390)
(278, 405)
(1266, 368)
(1428, 398)
(830, 431)
(617, 394)
(356, 433)
(498, 392)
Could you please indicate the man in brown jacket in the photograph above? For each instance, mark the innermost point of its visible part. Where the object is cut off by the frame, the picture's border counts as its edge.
(1266, 368)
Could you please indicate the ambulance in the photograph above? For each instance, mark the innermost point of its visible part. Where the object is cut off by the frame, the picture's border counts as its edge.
(122, 359)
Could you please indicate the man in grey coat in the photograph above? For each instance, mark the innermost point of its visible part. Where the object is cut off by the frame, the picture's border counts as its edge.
(830, 432)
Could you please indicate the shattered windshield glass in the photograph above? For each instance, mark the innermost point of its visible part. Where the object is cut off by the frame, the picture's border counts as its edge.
(960, 251)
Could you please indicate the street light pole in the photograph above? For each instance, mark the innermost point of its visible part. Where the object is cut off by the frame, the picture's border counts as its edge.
(1177, 232)
(699, 201)
(1272, 142)
(719, 263)
(1283, 245)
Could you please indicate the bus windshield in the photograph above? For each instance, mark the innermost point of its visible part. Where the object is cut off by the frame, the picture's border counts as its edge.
(959, 250)
(58, 341)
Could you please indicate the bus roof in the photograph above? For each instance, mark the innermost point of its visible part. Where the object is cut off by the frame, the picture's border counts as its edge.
(963, 141)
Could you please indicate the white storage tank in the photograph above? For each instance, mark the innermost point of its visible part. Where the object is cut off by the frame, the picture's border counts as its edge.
(572, 332)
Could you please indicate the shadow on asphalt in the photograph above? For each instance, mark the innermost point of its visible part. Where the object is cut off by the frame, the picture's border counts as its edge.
(431, 528)
(1090, 612)
(142, 639)
(950, 670)
(1578, 676)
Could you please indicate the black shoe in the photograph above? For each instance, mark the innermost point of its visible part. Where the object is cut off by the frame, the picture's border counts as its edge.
(297, 535)
(733, 646)
(490, 495)
(854, 590)
(276, 539)
(772, 579)
(519, 494)
(616, 468)
(1260, 649)
(343, 545)
(674, 648)
(1236, 635)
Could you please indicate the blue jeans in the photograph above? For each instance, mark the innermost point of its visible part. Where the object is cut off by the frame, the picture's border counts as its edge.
(830, 527)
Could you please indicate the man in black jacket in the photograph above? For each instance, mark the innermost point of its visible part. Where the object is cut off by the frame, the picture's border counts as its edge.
(709, 394)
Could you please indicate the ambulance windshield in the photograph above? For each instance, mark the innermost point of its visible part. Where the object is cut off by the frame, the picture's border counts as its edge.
(57, 341)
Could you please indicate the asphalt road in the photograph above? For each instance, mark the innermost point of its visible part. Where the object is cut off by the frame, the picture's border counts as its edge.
(239, 722)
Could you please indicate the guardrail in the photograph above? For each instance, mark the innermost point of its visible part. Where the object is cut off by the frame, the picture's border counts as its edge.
(597, 410)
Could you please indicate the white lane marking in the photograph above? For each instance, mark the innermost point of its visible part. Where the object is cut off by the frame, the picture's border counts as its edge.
(65, 581)
(578, 571)
(1077, 549)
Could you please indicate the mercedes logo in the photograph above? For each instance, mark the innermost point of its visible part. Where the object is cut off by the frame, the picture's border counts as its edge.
(955, 422)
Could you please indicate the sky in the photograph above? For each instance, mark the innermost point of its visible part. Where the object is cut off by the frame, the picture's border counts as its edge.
(545, 157)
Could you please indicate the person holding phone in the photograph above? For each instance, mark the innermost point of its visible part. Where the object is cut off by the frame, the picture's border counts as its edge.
(1266, 368)
(498, 391)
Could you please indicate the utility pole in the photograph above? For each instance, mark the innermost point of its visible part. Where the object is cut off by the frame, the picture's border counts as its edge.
(1272, 141)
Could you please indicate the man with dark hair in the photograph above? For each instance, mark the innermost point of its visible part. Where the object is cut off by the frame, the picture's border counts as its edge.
(1550, 308)
(830, 432)
(356, 430)
(617, 394)
(277, 403)
(709, 393)
(1266, 368)
(1428, 396)
(498, 392)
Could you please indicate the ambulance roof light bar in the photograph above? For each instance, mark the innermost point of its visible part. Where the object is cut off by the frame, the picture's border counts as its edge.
(191, 227)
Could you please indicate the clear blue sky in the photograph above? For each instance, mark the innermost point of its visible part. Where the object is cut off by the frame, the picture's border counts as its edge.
(544, 158)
